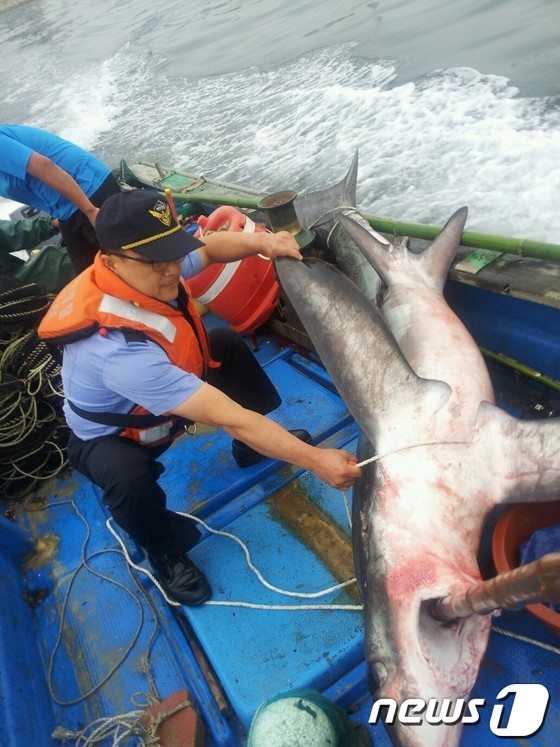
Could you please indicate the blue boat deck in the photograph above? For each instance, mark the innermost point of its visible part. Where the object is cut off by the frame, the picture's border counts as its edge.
(83, 637)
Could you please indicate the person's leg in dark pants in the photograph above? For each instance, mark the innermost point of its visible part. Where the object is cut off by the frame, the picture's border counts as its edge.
(241, 377)
(128, 474)
(78, 235)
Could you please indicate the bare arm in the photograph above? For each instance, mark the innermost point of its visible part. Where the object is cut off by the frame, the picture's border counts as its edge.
(210, 406)
(44, 169)
(229, 246)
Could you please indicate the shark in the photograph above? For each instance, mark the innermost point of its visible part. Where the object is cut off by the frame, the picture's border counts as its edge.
(439, 456)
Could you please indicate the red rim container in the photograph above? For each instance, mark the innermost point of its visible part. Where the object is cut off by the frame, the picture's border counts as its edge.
(516, 525)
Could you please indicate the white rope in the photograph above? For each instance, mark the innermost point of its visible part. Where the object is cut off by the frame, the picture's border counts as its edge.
(254, 569)
(258, 574)
(411, 446)
(139, 568)
(121, 727)
(118, 727)
(377, 457)
(525, 639)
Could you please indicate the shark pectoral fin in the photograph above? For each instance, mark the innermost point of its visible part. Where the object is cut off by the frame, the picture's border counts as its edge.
(408, 418)
(524, 455)
(436, 393)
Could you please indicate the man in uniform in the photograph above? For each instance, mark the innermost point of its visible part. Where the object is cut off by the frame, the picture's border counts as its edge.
(138, 364)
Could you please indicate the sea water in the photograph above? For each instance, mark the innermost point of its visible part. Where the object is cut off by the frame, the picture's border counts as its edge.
(449, 103)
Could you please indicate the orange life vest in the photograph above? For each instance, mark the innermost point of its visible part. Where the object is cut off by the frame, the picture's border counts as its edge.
(98, 300)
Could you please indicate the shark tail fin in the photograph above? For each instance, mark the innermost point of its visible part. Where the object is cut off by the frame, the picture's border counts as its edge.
(438, 256)
(389, 261)
(310, 208)
(376, 253)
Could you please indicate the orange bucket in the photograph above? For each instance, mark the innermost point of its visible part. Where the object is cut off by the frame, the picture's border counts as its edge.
(515, 526)
(243, 293)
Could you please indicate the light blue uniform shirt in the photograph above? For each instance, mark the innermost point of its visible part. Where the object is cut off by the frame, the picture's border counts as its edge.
(107, 374)
(17, 143)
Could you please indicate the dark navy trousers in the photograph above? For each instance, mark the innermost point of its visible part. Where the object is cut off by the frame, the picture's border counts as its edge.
(78, 235)
(128, 473)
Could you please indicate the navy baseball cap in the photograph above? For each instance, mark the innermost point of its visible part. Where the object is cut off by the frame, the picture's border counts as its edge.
(142, 221)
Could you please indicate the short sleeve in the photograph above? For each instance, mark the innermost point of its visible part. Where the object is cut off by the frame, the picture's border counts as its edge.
(192, 264)
(15, 157)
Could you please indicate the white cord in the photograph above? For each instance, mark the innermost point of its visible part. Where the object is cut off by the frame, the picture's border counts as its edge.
(525, 639)
(410, 446)
(254, 569)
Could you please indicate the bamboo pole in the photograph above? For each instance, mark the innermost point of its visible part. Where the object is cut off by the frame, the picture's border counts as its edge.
(535, 582)
(511, 245)
(247, 203)
(521, 368)
(521, 247)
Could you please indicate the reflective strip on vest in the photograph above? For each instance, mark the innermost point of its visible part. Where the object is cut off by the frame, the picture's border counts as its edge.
(226, 274)
(127, 310)
(148, 436)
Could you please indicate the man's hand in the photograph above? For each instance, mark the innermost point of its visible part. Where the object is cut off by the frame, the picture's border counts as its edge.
(281, 244)
(336, 467)
(230, 246)
(212, 407)
(48, 172)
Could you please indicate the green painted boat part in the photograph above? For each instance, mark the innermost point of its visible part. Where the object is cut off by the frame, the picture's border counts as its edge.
(520, 247)
(246, 203)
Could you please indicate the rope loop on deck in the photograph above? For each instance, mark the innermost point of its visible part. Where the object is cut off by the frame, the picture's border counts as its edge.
(120, 727)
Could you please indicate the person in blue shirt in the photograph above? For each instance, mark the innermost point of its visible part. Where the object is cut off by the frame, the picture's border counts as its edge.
(51, 174)
(138, 364)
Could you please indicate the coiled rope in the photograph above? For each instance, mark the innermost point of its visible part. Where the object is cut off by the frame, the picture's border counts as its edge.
(33, 432)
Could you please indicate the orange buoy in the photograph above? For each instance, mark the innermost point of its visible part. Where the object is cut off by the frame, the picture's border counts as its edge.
(243, 293)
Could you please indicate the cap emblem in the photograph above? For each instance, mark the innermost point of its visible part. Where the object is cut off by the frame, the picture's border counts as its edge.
(162, 212)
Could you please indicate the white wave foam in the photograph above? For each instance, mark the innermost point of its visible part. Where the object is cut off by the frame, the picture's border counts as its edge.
(454, 137)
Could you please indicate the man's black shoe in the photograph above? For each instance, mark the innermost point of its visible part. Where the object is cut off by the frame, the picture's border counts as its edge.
(181, 579)
(245, 456)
